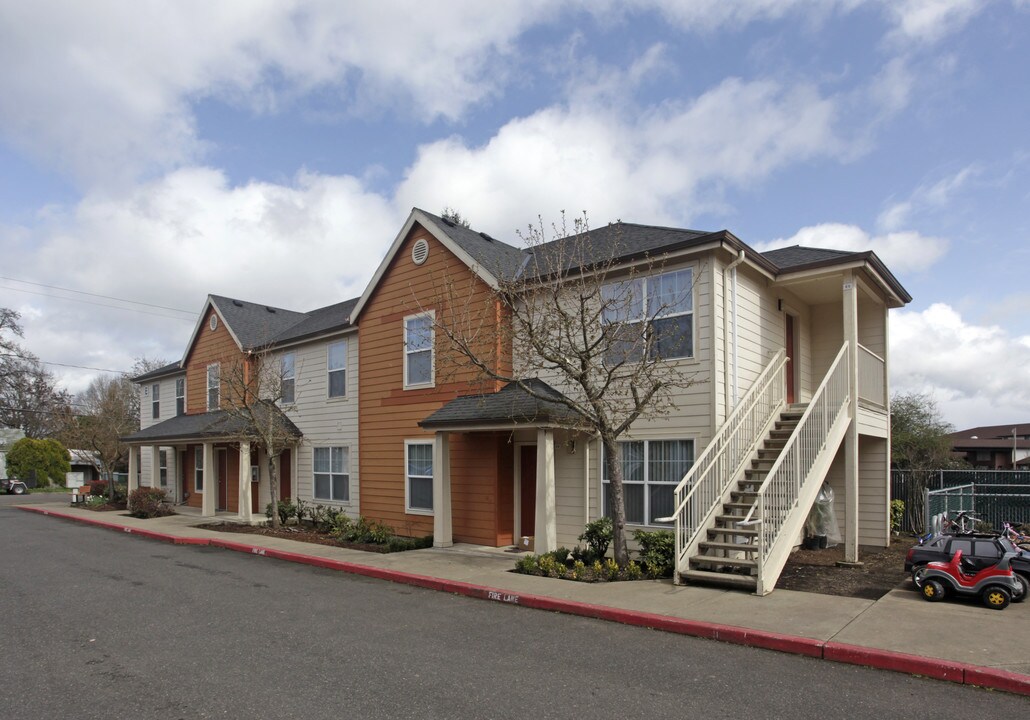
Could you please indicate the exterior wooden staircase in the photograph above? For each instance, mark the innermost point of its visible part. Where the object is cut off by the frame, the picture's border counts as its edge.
(727, 556)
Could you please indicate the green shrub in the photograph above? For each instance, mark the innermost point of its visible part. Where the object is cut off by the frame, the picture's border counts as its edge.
(656, 551)
(45, 460)
(286, 510)
(363, 530)
(148, 502)
(401, 544)
(560, 564)
(301, 510)
(598, 536)
(897, 514)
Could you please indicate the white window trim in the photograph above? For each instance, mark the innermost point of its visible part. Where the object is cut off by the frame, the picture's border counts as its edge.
(198, 470)
(162, 468)
(218, 375)
(646, 316)
(407, 491)
(344, 369)
(283, 377)
(350, 488)
(177, 396)
(601, 471)
(431, 314)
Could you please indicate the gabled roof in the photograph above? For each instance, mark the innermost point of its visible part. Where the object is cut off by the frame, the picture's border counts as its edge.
(169, 369)
(511, 405)
(215, 424)
(318, 322)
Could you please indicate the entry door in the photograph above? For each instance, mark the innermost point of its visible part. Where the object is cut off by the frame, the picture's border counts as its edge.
(527, 489)
(223, 479)
(285, 475)
(181, 477)
(791, 345)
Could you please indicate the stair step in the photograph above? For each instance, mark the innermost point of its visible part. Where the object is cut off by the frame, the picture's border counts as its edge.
(742, 532)
(742, 507)
(730, 546)
(730, 520)
(746, 496)
(723, 561)
(717, 578)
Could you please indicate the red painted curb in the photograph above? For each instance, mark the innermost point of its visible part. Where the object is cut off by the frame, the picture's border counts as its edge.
(889, 660)
(797, 645)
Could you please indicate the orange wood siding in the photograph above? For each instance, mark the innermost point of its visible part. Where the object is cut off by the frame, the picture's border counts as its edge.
(390, 414)
(211, 346)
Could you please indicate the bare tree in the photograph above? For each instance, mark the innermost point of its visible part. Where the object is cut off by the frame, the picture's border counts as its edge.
(29, 398)
(581, 320)
(253, 387)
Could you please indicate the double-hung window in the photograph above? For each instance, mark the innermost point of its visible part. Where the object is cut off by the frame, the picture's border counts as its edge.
(418, 350)
(332, 473)
(213, 386)
(418, 463)
(163, 465)
(198, 470)
(654, 313)
(336, 364)
(287, 378)
(180, 396)
(155, 401)
(651, 469)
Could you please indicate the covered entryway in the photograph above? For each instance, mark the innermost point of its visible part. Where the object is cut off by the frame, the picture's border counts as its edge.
(527, 491)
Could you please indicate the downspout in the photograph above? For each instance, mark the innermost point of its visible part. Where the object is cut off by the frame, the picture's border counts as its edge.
(730, 399)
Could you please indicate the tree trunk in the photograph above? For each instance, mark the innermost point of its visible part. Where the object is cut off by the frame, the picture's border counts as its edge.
(613, 464)
(273, 486)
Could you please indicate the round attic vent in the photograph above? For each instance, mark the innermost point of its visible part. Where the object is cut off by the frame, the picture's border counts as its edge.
(419, 251)
(214, 321)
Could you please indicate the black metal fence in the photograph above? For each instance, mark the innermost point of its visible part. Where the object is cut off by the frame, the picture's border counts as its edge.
(996, 497)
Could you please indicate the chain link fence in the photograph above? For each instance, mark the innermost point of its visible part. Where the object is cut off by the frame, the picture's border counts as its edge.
(994, 496)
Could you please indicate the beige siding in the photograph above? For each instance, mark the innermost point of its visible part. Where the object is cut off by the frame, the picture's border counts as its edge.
(324, 421)
(570, 488)
(873, 492)
(166, 410)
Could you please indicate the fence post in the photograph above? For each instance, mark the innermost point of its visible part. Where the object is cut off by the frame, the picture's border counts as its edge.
(926, 510)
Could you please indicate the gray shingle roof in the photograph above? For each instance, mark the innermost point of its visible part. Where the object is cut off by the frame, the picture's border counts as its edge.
(218, 423)
(498, 258)
(796, 255)
(255, 325)
(169, 369)
(511, 404)
(316, 322)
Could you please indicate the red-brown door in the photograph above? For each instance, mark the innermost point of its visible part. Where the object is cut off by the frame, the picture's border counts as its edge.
(285, 476)
(790, 343)
(223, 479)
(527, 489)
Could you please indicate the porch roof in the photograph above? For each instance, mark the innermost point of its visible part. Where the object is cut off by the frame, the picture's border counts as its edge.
(215, 424)
(511, 405)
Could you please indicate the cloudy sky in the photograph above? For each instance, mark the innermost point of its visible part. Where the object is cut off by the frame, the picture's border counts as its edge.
(270, 150)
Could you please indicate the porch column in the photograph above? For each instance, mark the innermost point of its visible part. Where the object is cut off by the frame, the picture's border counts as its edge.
(546, 522)
(155, 466)
(442, 532)
(132, 484)
(245, 512)
(851, 436)
(210, 499)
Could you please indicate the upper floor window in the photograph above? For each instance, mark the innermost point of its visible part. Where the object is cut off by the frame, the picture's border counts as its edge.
(288, 378)
(213, 386)
(656, 313)
(336, 365)
(418, 350)
(180, 396)
(155, 401)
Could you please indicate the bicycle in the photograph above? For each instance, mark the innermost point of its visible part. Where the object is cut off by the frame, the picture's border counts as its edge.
(1016, 537)
(963, 524)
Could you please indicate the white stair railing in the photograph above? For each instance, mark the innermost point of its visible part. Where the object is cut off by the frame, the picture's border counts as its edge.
(780, 492)
(701, 490)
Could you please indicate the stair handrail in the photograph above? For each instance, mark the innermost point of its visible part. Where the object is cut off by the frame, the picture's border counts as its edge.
(707, 479)
(829, 399)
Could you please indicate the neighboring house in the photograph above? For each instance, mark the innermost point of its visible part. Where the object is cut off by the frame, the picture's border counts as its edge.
(8, 437)
(790, 337)
(192, 440)
(993, 447)
(84, 468)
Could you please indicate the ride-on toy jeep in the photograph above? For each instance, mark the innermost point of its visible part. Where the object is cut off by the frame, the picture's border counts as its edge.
(996, 586)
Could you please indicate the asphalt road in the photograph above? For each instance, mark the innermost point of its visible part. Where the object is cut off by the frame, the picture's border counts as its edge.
(102, 625)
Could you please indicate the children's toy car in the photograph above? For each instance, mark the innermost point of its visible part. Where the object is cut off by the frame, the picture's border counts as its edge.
(995, 585)
(979, 551)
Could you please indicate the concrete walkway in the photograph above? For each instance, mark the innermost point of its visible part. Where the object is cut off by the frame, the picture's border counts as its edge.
(954, 640)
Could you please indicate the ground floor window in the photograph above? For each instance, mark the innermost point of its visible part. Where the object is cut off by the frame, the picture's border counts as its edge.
(198, 469)
(418, 462)
(163, 465)
(332, 473)
(651, 469)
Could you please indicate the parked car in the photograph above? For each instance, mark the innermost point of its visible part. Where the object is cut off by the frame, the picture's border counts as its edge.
(979, 551)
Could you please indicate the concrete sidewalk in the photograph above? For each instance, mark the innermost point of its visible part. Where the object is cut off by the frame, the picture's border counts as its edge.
(957, 641)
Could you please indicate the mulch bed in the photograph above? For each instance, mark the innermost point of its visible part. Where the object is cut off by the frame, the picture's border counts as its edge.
(293, 533)
(883, 569)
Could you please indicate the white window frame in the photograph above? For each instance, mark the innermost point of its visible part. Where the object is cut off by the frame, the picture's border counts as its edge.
(646, 481)
(431, 314)
(162, 464)
(407, 484)
(288, 378)
(329, 370)
(646, 315)
(345, 473)
(198, 470)
(180, 383)
(155, 401)
(217, 386)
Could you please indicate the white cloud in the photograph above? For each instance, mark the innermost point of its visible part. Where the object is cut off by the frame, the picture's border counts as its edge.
(979, 374)
(930, 20)
(106, 93)
(901, 251)
(926, 197)
(661, 165)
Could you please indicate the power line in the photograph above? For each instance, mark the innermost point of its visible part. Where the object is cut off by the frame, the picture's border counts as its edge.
(47, 362)
(105, 297)
(90, 302)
